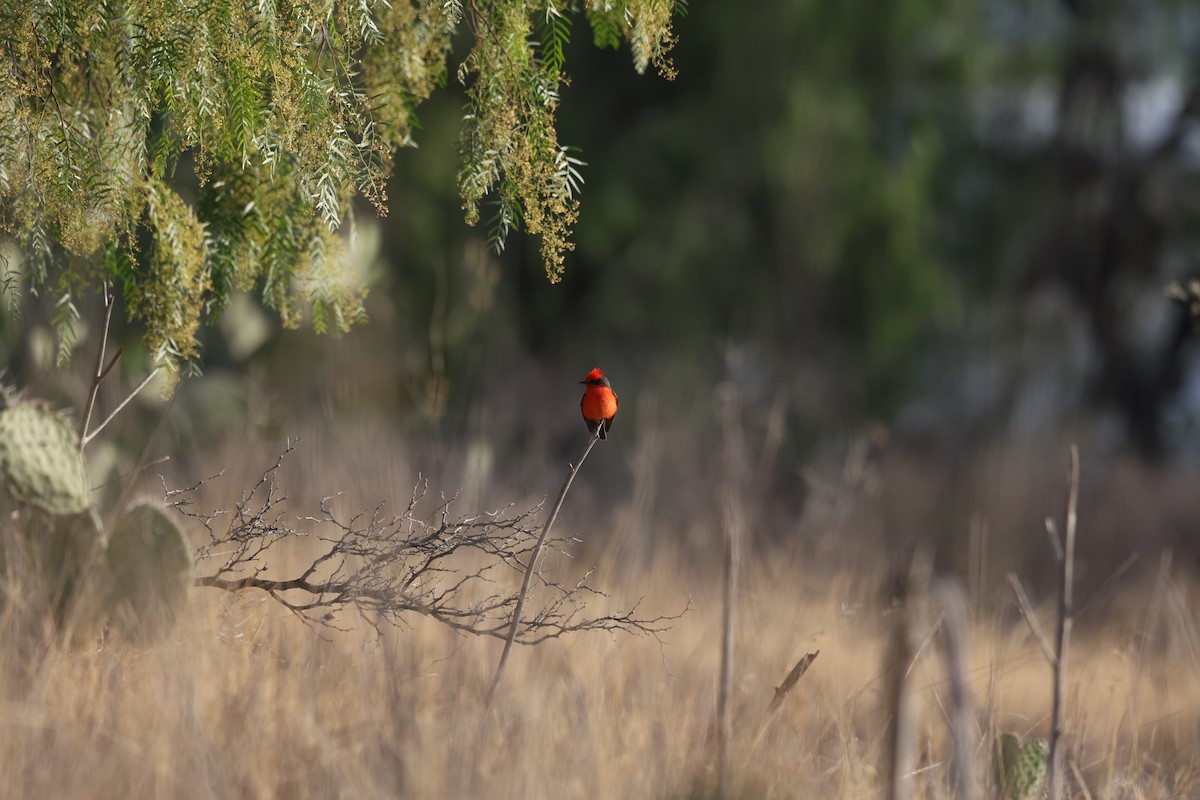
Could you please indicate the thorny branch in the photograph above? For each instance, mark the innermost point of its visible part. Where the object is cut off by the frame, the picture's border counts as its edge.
(435, 563)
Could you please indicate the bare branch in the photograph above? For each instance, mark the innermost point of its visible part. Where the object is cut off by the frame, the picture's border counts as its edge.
(89, 436)
(1116, 575)
(1066, 618)
(101, 371)
(389, 567)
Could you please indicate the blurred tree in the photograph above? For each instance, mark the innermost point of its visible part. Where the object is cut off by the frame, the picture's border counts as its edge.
(855, 188)
(286, 111)
(793, 195)
(1121, 199)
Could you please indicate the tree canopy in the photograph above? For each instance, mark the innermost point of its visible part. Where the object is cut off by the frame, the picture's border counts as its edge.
(284, 112)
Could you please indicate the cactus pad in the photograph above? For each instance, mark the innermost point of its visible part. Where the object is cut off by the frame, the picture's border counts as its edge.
(1019, 770)
(150, 564)
(40, 461)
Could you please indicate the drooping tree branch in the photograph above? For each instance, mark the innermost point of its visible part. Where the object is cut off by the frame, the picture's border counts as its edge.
(287, 113)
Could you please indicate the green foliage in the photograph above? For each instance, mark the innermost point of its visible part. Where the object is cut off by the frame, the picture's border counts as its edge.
(509, 142)
(555, 32)
(645, 24)
(287, 111)
(1018, 771)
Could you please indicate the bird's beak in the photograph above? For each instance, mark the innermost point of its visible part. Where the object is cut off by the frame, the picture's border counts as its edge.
(583, 381)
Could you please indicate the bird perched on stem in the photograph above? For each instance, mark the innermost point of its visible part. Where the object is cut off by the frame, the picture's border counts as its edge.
(599, 403)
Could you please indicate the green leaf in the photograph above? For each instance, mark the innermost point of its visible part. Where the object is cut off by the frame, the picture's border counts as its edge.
(64, 319)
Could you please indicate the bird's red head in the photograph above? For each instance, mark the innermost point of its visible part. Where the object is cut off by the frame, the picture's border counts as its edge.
(595, 375)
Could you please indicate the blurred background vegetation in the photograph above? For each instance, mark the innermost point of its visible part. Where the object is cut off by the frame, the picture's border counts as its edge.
(925, 244)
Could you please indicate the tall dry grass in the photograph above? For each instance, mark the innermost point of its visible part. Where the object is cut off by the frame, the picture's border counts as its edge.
(245, 702)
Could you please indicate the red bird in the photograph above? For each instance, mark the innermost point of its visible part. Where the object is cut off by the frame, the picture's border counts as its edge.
(599, 403)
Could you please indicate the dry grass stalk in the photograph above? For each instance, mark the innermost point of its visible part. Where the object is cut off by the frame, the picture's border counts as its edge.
(730, 413)
(781, 692)
(901, 739)
(792, 678)
(353, 714)
(732, 558)
(961, 720)
(1031, 619)
(903, 649)
(1063, 632)
(1079, 781)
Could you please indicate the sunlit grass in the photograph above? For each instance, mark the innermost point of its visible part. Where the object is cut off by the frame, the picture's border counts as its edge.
(244, 701)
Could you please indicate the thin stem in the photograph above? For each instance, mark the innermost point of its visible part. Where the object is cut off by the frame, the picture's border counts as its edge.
(101, 371)
(531, 567)
(901, 733)
(88, 437)
(729, 414)
(1031, 619)
(1120, 571)
(781, 692)
(142, 463)
(908, 640)
(1063, 634)
(730, 563)
(954, 633)
(133, 473)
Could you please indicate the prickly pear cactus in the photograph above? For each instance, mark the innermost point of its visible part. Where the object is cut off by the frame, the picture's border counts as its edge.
(49, 535)
(1019, 770)
(150, 567)
(40, 461)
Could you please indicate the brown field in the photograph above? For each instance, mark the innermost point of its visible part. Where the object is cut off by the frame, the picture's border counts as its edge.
(244, 701)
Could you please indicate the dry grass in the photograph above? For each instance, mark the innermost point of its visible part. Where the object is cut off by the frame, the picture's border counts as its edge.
(245, 702)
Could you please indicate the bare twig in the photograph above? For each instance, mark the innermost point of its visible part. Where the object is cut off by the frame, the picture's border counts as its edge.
(434, 564)
(1055, 541)
(1063, 634)
(143, 462)
(133, 473)
(531, 566)
(1116, 575)
(88, 437)
(101, 371)
(1031, 619)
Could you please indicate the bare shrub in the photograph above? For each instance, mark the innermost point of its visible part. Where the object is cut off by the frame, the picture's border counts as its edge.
(426, 560)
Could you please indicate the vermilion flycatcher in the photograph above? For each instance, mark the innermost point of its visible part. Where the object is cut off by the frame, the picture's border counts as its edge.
(599, 403)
